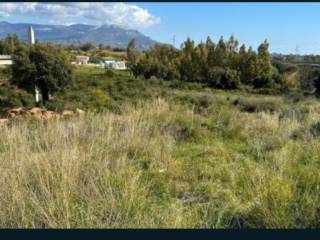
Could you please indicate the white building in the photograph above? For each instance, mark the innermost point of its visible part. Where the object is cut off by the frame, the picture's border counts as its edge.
(120, 65)
(82, 59)
(5, 60)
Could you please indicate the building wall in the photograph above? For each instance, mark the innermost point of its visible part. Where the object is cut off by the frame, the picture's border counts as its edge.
(5, 62)
(120, 65)
(82, 61)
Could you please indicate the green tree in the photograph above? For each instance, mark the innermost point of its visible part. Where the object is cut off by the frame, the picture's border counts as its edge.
(264, 67)
(188, 66)
(220, 53)
(201, 62)
(87, 46)
(9, 44)
(133, 57)
(160, 61)
(44, 66)
(248, 65)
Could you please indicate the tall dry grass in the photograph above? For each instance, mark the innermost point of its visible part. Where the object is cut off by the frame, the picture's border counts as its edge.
(162, 165)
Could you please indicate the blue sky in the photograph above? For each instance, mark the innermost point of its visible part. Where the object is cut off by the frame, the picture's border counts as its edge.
(285, 25)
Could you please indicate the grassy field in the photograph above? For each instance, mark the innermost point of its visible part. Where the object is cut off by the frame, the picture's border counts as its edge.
(171, 158)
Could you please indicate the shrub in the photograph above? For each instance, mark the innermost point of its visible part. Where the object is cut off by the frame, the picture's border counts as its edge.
(109, 73)
(315, 129)
(294, 96)
(10, 97)
(256, 104)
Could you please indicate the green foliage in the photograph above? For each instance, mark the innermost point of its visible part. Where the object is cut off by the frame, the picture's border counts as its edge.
(9, 44)
(43, 65)
(10, 97)
(109, 73)
(222, 65)
(95, 59)
(159, 61)
(258, 104)
(5, 73)
(316, 80)
(308, 77)
(132, 57)
(86, 47)
(162, 164)
(194, 159)
(224, 78)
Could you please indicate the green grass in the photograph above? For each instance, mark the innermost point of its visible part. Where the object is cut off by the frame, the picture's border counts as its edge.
(97, 88)
(171, 156)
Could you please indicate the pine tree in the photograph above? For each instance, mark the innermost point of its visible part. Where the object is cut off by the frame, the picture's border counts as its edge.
(264, 66)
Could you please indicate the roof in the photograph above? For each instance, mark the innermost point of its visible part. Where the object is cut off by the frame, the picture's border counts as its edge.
(82, 57)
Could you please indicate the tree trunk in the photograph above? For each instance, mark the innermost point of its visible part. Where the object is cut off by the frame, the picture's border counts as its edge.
(45, 95)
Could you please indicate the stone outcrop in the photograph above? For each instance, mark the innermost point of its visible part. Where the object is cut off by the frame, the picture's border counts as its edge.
(39, 113)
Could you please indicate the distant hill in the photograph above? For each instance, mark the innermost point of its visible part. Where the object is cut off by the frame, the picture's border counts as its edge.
(78, 33)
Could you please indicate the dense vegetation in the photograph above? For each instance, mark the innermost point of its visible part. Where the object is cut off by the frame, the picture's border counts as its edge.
(197, 159)
(43, 66)
(223, 65)
(165, 147)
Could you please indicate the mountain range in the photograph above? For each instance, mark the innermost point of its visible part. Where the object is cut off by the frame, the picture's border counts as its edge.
(111, 35)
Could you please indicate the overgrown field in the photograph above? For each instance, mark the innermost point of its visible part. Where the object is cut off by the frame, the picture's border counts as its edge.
(187, 158)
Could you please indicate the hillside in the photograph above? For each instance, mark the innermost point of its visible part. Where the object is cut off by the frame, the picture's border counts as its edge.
(78, 33)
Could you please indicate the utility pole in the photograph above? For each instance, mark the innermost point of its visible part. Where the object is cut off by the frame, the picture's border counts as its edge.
(37, 93)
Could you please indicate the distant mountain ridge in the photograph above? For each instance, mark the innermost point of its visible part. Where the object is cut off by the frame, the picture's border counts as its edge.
(78, 33)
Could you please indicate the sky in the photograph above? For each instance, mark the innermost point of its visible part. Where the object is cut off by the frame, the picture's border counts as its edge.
(288, 27)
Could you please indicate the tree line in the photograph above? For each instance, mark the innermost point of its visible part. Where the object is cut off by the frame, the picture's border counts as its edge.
(224, 64)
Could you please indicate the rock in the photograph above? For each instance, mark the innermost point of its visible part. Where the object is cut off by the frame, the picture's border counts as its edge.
(51, 114)
(16, 112)
(67, 113)
(37, 111)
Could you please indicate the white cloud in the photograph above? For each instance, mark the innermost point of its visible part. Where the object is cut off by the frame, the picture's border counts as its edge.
(121, 14)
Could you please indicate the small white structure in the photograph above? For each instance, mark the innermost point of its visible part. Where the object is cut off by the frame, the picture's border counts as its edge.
(119, 65)
(5, 60)
(31, 35)
(32, 41)
(82, 59)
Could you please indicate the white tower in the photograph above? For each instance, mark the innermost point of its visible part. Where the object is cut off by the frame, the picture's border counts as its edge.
(37, 93)
(31, 35)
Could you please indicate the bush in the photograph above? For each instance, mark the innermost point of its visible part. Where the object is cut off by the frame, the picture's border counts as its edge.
(15, 98)
(315, 129)
(109, 73)
(294, 96)
(5, 73)
(255, 104)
